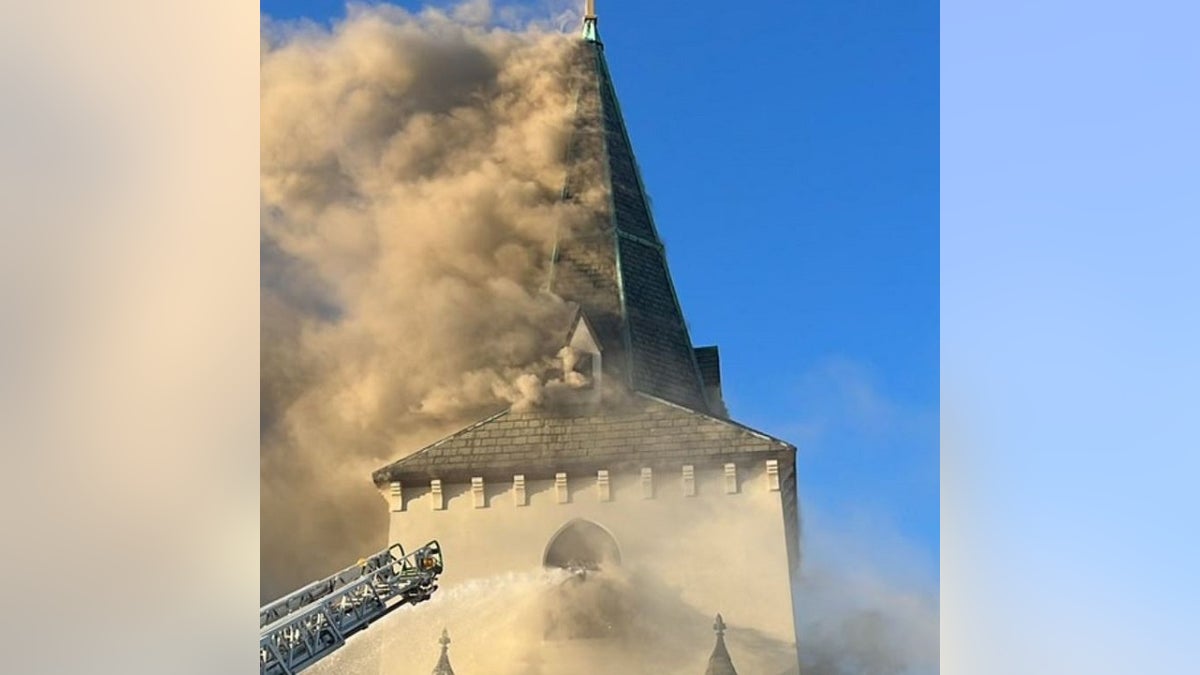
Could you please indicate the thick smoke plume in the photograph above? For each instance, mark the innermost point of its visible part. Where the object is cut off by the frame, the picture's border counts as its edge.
(412, 166)
(860, 616)
(519, 624)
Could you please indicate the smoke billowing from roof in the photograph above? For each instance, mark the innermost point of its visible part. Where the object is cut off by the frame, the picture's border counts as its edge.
(412, 167)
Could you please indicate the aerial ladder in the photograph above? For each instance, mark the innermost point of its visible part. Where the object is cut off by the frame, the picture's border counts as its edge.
(304, 627)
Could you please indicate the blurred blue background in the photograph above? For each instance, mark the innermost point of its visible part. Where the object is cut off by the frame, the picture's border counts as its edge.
(1070, 167)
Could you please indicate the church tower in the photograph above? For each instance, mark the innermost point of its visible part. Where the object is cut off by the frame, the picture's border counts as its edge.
(641, 469)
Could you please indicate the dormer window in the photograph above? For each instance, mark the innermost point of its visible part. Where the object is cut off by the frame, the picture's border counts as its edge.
(585, 359)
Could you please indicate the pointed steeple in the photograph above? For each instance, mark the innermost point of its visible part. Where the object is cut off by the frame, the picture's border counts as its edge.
(720, 663)
(443, 664)
(614, 265)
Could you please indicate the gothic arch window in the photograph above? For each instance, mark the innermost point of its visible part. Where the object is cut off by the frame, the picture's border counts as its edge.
(582, 544)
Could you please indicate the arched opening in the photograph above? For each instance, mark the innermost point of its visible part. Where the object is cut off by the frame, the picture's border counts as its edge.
(585, 605)
(581, 544)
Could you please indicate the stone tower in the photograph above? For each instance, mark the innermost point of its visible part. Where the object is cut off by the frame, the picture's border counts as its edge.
(642, 469)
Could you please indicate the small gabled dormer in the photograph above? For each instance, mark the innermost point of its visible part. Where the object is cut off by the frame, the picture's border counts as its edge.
(583, 357)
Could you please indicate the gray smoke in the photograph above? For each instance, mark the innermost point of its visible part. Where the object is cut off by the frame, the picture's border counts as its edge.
(866, 603)
(411, 174)
(545, 621)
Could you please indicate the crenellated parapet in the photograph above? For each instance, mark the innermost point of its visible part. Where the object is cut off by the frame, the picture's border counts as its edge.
(622, 483)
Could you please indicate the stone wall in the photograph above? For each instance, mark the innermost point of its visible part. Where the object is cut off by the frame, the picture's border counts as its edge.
(715, 537)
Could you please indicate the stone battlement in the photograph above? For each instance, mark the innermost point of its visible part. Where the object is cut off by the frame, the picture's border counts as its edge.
(603, 485)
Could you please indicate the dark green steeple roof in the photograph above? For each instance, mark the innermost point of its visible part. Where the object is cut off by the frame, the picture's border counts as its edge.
(614, 266)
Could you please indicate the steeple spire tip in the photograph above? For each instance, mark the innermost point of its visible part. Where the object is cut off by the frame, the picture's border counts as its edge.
(720, 663)
(443, 665)
(590, 31)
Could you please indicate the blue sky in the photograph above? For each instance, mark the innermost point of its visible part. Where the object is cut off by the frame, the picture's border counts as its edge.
(791, 153)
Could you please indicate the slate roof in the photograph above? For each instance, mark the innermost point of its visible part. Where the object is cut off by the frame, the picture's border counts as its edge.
(615, 266)
(709, 361)
(646, 431)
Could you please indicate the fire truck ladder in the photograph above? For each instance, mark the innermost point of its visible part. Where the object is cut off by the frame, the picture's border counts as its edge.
(304, 627)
